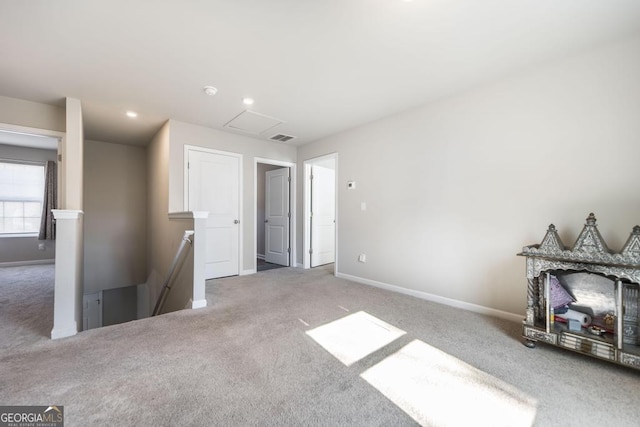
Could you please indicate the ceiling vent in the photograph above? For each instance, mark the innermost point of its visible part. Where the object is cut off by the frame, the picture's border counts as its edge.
(282, 137)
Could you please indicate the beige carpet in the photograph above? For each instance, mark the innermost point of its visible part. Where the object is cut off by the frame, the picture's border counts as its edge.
(26, 304)
(247, 359)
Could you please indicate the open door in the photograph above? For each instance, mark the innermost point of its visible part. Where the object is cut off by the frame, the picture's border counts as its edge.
(277, 216)
(323, 208)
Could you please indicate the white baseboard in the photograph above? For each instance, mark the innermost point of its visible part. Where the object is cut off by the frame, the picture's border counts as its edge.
(435, 298)
(23, 263)
(260, 256)
(247, 272)
(69, 331)
(201, 303)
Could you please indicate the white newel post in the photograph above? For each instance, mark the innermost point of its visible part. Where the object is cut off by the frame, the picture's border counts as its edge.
(67, 311)
(199, 248)
(199, 259)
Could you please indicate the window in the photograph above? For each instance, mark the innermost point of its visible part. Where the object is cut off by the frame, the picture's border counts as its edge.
(21, 192)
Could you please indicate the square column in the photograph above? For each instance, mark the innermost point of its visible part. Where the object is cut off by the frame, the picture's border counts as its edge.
(67, 311)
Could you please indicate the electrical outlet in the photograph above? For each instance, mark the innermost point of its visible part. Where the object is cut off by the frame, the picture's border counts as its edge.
(41, 247)
(362, 258)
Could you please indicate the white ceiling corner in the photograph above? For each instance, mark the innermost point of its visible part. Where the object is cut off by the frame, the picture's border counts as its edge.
(329, 66)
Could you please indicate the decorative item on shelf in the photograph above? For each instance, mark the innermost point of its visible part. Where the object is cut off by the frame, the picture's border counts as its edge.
(570, 314)
(558, 295)
(574, 325)
(609, 320)
(596, 330)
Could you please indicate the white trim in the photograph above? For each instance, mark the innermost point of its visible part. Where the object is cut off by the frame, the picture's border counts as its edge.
(248, 272)
(42, 163)
(189, 215)
(260, 256)
(18, 235)
(32, 131)
(435, 298)
(185, 195)
(201, 303)
(24, 263)
(292, 204)
(64, 332)
(306, 236)
(66, 214)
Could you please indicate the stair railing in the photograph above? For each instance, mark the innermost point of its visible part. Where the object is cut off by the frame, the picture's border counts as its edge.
(166, 288)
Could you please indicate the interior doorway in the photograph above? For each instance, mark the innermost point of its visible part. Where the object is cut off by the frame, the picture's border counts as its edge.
(274, 214)
(26, 263)
(320, 211)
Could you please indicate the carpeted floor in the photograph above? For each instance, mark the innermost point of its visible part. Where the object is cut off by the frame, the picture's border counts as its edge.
(247, 360)
(26, 304)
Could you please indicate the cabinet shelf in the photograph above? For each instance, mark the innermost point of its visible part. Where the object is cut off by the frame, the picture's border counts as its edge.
(599, 286)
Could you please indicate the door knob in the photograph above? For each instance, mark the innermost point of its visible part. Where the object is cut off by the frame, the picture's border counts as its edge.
(236, 221)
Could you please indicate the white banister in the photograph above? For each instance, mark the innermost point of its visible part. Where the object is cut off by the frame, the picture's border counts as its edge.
(67, 306)
(166, 287)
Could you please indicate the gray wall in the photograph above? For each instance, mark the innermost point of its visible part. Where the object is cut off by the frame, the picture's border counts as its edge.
(187, 134)
(456, 188)
(164, 235)
(25, 249)
(115, 214)
(119, 305)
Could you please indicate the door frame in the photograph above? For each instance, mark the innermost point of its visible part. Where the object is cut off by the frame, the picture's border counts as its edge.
(306, 241)
(239, 156)
(292, 207)
(62, 191)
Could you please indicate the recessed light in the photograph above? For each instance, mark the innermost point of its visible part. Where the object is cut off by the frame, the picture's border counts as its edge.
(132, 114)
(210, 90)
(247, 101)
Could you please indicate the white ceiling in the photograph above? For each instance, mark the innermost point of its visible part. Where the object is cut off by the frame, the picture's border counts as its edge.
(320, 66)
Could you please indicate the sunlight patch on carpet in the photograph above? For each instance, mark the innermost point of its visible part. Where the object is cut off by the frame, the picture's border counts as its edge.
(355, 336)
(437, 389)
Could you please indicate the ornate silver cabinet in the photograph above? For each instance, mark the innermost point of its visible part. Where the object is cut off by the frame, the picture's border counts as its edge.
(600, 286)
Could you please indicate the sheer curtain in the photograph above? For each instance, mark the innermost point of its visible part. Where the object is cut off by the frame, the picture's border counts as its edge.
(47, 224)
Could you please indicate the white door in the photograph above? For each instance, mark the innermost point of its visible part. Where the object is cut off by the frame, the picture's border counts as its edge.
(323, 207)
(92, 311)
(276, 213)
(214, 185)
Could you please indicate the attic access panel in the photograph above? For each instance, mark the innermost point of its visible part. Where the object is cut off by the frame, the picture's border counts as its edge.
(253, 123)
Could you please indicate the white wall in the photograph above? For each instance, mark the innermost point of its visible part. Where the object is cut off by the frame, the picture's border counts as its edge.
(187, 134)
(115, 208)
(456, 188)
(32, 114)
(25, 248)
